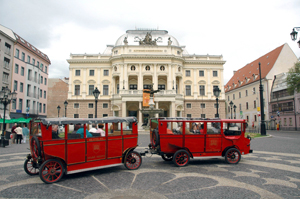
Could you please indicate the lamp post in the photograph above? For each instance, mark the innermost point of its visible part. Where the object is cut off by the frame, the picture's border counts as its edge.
(217, 92)
(234, 107)
(66, 104)
(96, 94)
(262, 124)
(6, 96)
(231, 104)
(294, 35)
(58, 108)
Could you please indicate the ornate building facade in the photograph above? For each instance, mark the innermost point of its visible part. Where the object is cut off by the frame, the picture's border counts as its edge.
(138, 60)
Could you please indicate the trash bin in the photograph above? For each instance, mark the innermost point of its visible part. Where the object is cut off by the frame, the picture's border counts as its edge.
(7, 135)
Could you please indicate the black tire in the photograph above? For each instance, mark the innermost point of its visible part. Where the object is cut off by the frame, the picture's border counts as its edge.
(30, 167)
(155, 138)
(51, 171)
(35, 147)
(133, 160)
(167, 158)
(232, 156)
(181, 158)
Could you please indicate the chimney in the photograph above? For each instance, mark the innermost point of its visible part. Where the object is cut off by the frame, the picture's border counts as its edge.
(234, 71)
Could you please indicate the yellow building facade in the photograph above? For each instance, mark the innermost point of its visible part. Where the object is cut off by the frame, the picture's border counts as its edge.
(139, 59)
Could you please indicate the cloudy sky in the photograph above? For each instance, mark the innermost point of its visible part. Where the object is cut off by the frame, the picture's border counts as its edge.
(241, 31)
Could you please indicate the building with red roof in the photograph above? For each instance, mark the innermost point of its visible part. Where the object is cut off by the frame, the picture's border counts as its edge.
(243, 87)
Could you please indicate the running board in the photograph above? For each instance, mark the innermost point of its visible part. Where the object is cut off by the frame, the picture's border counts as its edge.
(94, 168)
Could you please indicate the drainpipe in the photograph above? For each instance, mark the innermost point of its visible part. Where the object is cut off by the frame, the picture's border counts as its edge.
(295, 113)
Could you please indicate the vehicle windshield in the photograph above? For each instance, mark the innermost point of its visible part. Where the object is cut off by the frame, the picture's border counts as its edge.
(35, 128)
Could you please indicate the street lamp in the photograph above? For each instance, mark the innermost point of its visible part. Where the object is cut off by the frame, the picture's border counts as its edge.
(217, 92)
(294, 35)
(262, 124)
(58, 108)
(231, 104)
(234, 107)
(66, 104)
(6, 96)
(96, 94)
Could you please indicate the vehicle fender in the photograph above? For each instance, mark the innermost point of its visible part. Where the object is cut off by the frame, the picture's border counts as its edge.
(191, 155)
(126, 152)
(229, 147)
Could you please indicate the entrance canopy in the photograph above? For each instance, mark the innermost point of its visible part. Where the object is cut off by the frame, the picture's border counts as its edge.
(19, 120)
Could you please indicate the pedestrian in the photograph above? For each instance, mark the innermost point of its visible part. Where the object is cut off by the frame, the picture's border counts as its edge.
(100, 130)
(14, 134)
(93, 129)
(19, 133)
(25, 132)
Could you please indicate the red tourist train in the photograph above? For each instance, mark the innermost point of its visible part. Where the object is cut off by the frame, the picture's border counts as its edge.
(52, 156)
(177, 139)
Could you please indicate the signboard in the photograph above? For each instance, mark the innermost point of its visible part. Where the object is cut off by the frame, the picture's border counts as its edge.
(241, 112)
(19, 111)
(146, 98)
(258, 108)
(278, 113)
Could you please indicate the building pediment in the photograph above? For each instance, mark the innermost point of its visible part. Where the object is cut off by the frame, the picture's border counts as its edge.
(202, 82)
(106, 82)
(188, 82)
(216, 82)
(76, 81)
(91, 81)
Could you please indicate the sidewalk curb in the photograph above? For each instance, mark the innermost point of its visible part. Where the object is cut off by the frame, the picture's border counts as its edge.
(268, 136)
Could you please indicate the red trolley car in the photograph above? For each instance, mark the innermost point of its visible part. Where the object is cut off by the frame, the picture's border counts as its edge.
(54, 155)
(180, 139)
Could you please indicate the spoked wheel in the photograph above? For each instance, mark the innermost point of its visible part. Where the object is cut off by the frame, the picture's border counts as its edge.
(166, 157)
(181, 158)
(35, 147)
(155, 138)
(133, 160)
(30, 167)
(232, 156)
(51, 171)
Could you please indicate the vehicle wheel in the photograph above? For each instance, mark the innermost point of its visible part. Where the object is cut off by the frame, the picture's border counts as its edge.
(181, 158)
(35, 147)
(51, 171)
(167, 157)
(133, 160)
(155, 138)
(30, 167)
(232, 156)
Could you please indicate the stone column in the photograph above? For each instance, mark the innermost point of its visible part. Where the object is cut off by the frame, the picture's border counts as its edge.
(169, 78)
(140, 115)
(195, 84)
(140, 78)
(156, 106)
(123, 109)
(121, 78)
(172, 110)
(209, 90)
(125, 76)
(84, 84)
(70, 84)
(155, 78)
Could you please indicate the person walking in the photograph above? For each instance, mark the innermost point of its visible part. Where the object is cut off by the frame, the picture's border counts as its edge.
(19, 133)
(25, 132)
(14, 134)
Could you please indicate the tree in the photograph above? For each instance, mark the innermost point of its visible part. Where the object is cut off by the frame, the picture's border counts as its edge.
(293, 79)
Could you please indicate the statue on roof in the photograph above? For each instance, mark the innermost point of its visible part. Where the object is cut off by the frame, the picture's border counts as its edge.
(125, 41)
(151, 91)
(169, 41)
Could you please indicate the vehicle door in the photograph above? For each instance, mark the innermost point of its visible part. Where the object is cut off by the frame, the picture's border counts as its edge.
(76, 149)
(114, 140)
(194, 139)
(96, 146)
(213, 137)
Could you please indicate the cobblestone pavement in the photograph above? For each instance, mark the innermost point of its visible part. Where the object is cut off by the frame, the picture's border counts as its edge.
(259, 175)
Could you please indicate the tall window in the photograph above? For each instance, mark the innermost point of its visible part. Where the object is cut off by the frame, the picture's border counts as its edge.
(28, 59)
(22, 71)
(45, 81)
(202, 89)
(44, 94)
(188, 90)
(133, 87)
(33, 61)
(77, 90)
(21, 87)
(23, 56)
(5, 77)
(215, 87)
(17, 53)
(201, 73)
(246, 92)
(105, 73)
(42, 66)
(255, 118)
(16, 68)
(253, 90)
(15, 85)
(77, 72)
(6, 62)
(91, 105)
(40, 107)
(240, 94)
(215, 73)
(247, 106)
(42, 79)
(92, 72)
(188, 105)
(105, 105)
(233, 96)
(76, 105)
(20, 104)
(105, 89)
(202, 105)
(41, 93)
(254, 103)
(45, 69)
(91, 89)
(187, 73)
(240, 107)
(14, 104)
(161, 87)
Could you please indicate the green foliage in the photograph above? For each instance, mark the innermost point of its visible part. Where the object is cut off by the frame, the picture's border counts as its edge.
(293, 79)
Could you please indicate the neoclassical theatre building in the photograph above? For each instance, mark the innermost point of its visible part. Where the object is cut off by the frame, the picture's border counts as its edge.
(139, 59)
